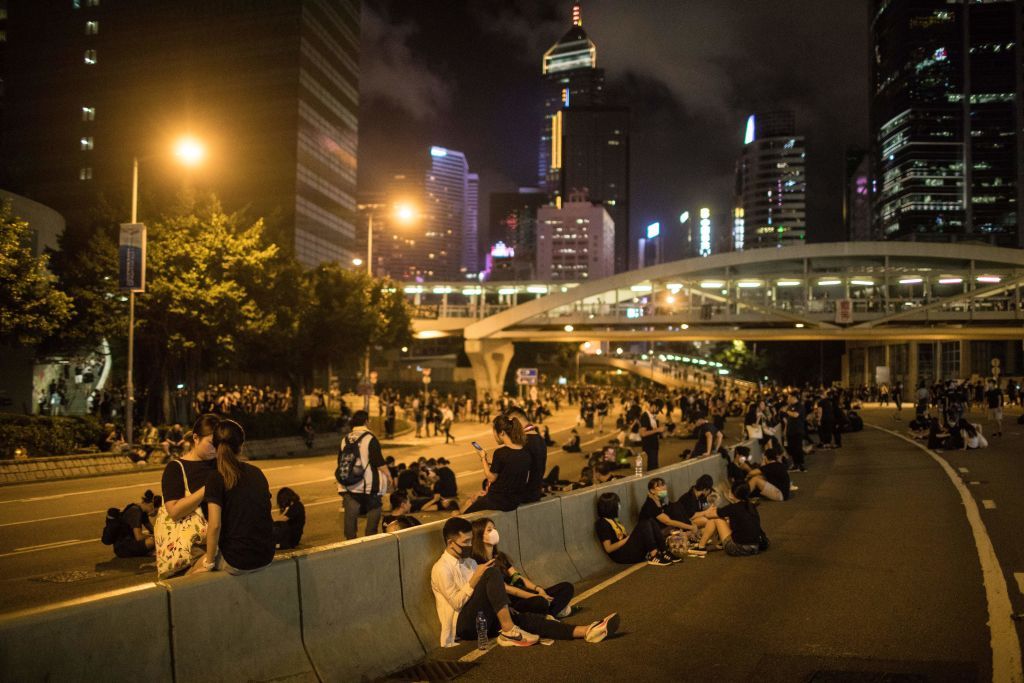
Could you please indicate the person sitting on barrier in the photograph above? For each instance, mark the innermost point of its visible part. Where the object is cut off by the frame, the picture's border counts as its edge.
(506, 472)
(174, 443)
(709, 438)
(240, 538)
(197, 465)
(739, 525)
(288, 531)
(131, 532)
(771, 479)
(526, 595)
(573, 446)
(644, 544)
(670, 517)
(463, 590)
(537, 449)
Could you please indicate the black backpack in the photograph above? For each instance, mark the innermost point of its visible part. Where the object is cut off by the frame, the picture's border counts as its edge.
(350, 471)
(114, 527)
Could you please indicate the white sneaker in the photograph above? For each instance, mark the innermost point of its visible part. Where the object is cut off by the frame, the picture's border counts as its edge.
(567, 612)
(600, 630)
(516, 638)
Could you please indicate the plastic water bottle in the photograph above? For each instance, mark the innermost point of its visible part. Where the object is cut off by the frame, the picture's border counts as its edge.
(639, 465)
(481, 631)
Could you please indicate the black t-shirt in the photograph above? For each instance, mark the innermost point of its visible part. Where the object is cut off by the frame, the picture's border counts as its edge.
(247, 529)
(796, 426)
(734, 472)
(701, 447)
(512, 466)
(994, 398)
(408, 480)
(198, 472)
(650, 442)
(692, 503)
(827, 415)
(606, 531)
(744, 521)
(134, 518)
(651, 509)
(296, 516)
(777, 475)
(537, 449)
(446, 484)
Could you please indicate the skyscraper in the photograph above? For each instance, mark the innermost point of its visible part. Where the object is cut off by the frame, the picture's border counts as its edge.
(575, 242)
(447, 211)
(585, 145)
(857, 195)
(946, 120)
(471, 226)
(271, 88)
(771, 183)
(513, 223)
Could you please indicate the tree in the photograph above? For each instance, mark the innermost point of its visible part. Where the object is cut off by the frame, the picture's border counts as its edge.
(31, 307)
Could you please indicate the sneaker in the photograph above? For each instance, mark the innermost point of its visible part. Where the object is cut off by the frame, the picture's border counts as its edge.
(659, 560)
(794, 488)
(600, 630)
(516, 638)
(696, 552)
(567, 612)
(672, 557)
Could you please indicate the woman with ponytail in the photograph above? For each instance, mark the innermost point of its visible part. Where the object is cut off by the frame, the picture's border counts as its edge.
(240, 538)
(505, 472)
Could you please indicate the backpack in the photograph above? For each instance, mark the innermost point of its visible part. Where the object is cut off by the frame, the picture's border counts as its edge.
(350, 470)
(114, 527)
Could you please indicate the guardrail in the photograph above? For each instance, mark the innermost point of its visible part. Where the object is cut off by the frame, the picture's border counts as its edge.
(350, 611)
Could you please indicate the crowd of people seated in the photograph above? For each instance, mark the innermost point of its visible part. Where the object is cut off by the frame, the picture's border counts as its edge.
(942, 416)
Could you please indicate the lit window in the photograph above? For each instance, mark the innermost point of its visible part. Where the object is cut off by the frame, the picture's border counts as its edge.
(92, 28)
(87, 144)
(90, 56)
(88, 113)
(92, 3)
(85, 173)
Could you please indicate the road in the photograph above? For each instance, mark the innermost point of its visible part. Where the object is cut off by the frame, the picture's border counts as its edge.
(873, 574)
(49, 531)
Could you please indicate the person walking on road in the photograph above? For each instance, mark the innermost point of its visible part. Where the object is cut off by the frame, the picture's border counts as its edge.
(447, 417)
(361, 456)
(796, 429)
(994, 397)
(897, 398)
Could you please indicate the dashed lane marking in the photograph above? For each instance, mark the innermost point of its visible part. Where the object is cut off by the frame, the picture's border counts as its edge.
(989, 504)
(45, 546)
(962, 470)
(1006, 655)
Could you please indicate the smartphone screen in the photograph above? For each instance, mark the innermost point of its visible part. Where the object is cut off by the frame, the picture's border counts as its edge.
(477, 446)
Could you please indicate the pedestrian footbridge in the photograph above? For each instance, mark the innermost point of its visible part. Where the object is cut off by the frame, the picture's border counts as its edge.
(838, 291)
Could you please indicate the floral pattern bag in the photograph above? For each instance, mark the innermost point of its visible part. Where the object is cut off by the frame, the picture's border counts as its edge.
(177, 542)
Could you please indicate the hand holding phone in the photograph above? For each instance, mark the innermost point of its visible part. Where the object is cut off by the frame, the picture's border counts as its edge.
(477, 446)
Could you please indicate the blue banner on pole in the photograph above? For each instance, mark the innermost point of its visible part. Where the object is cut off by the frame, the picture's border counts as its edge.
(132, 257)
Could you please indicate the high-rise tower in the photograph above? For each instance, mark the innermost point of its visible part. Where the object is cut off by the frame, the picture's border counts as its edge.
(585, 145)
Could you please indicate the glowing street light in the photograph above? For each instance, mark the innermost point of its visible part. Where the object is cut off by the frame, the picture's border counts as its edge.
(357, 262)
(189, 151)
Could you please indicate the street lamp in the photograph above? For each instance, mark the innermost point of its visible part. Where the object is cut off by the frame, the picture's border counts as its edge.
(190, 152)
(404, 213)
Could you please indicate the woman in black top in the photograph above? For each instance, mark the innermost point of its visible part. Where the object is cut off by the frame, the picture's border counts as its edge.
(506, 472)
(644, 543)
(288, 531)
(240, 538)
(739, 525)
(198, 464)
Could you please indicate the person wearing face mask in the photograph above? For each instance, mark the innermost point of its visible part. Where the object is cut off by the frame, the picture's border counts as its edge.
(658, 509)
(197, 465)
(526, 596)
(644, 544)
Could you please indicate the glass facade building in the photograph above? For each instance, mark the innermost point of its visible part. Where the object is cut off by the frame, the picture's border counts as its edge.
(946, 120)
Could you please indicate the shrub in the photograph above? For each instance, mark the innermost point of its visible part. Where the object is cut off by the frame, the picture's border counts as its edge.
(42, 435)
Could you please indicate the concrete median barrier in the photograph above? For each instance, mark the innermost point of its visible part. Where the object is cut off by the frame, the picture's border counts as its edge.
(542, 543)
(418, 550)
(238, 628)
(353, 623)
(119, 636)
(579, 512)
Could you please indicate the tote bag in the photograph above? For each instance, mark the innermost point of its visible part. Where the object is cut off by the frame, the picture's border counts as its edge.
(175, 541)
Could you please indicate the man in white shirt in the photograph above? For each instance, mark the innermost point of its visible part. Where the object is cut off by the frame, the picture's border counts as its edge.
(463, 589)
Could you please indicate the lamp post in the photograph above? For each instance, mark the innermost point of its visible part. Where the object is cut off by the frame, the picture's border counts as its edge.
(190, 152)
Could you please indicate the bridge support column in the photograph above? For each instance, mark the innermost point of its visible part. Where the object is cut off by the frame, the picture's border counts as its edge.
(489, 360)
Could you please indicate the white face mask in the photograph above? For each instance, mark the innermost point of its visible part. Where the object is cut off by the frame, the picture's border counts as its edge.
(491, 537)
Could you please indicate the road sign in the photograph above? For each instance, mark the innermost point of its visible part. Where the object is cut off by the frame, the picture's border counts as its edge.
(527, 376)
(132, 257)
(844, 311)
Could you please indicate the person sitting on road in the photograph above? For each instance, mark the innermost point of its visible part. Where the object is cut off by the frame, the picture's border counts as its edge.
(525, 595)
(644, 544)
(464, 589)
(709, 438)
(970, 435)
(446, 485)
(657, 507)
(132, 530)
(693, 505)
(506, 472)
(401, 506)
(174, 443)
(573, 446)
(603, 472)
(400, 523)
(770, 480)
(288, 531)
(240, 537)
(739, 525)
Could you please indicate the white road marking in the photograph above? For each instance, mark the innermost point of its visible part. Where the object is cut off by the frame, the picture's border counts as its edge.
(82, 493)
(989, 504)
(1020, 581)
(962, 470)
(1006, 654)
(47, 546)
(49, 519)
(974, 483)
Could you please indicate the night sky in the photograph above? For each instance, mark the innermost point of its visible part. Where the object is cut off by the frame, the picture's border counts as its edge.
(465, 74)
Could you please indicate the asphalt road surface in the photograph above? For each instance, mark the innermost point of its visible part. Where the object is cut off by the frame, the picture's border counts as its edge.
(873, 574)
(49, 531)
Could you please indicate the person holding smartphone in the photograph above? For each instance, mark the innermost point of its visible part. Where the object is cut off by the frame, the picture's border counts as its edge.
(506, 472)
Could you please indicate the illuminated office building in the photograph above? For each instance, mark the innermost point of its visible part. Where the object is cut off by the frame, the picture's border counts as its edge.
(447, 212)
(575, 242)
(471, 226)
(272, 88)
(512, 223)
(771, 182)
(585, 142)
(946, 120)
